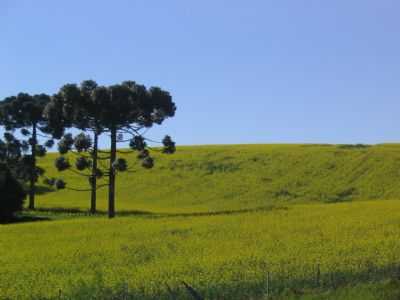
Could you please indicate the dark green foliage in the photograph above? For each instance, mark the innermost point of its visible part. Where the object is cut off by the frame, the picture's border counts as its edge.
(82, 163)
(65, 144)
(159, 106)
(40, 151)
(12, 194)
(10, 149)
(120, 165)
(49, 143)
(137, 143)
(143, 154)
(148, 162)
(9, 137)
(120, 138)
(80, 107)
(40, 171)
(56, 183)
(54, 114)
(169, 145)
(49, 181)
(23, 111)
(120, 109)
(59, 184)
(82, 142)
(20, 164)
(21, 168)
(61, 163)
(99, 173)
(25, 132)
(25, 146)
(26, 113)
(3, 149)
(87, 152)
(76, 106)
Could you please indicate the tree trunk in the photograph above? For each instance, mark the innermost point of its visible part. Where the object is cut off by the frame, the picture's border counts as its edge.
(111, 185)
(33, 169)
(94, 174)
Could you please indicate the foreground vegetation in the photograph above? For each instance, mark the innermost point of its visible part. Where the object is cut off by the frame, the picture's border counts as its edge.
(227, 256)
(233, 222)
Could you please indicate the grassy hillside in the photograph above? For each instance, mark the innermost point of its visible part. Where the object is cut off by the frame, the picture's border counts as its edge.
(235, 222)
(214, 178)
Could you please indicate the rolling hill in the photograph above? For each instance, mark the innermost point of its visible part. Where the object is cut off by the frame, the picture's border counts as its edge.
(213, 178)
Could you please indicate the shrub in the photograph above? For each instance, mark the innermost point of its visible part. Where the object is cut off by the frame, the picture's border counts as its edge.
(12, 194)
(59, 184)
(61, 163)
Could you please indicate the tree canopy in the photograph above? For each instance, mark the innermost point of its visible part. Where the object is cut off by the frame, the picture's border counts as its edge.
(124, 111)
(26, 113)
(127, 109)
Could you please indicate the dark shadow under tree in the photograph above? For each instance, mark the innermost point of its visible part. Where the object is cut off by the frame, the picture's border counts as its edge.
(12, 194)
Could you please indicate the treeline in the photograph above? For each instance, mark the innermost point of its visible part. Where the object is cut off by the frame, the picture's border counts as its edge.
(122, 112)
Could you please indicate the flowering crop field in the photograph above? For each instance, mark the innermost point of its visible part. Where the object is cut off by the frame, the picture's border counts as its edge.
(245, 239)
(227, 256)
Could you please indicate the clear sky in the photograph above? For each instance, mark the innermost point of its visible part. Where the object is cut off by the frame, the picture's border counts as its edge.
(239, 71)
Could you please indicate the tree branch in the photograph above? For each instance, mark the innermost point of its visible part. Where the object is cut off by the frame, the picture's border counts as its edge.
(154, 149)
(87, 190)
(79, 173)
(153, 141)
(44, 135)
(126, 152)
(80, 154)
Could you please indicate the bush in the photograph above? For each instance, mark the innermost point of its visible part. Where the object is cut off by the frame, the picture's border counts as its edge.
(12, 194)
(61, 163)
(60, 184)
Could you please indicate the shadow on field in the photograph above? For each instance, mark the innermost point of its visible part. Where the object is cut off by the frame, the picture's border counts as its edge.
(41, 190)
(221, 212)
(149, 214)
(24, 219)
(82, 212)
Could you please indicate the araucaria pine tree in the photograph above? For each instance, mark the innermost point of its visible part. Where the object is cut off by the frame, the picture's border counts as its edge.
(25, 113)
(79, 107)
(127, 109)
(123, 111)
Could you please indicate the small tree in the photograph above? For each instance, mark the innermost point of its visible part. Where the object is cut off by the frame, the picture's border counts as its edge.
(12, 194)
(25, 112)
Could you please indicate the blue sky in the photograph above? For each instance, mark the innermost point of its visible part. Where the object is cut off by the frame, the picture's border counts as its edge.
(239, 71)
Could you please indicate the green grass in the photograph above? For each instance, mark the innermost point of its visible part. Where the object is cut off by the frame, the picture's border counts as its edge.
(214, 178)
(235, 222)
(223, 256)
